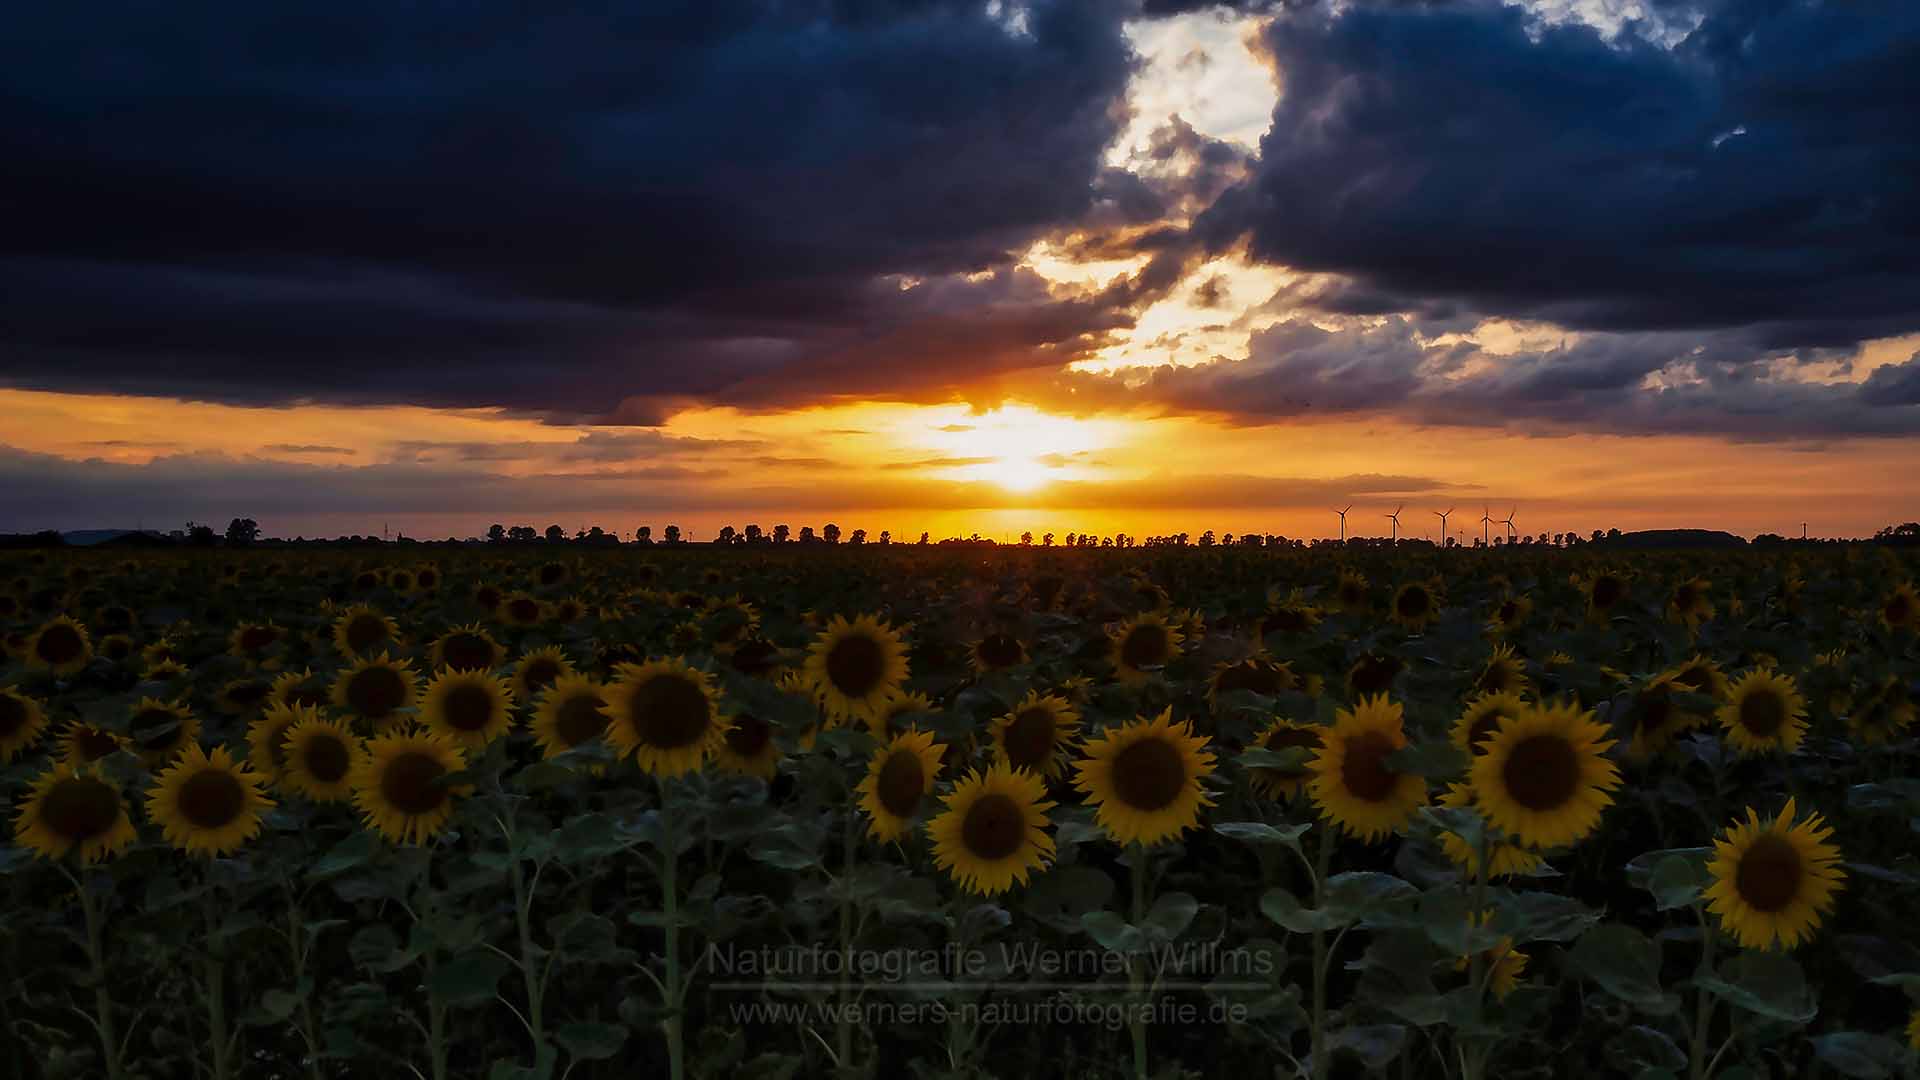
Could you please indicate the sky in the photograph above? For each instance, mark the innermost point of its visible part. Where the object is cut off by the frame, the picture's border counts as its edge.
(1142, 266)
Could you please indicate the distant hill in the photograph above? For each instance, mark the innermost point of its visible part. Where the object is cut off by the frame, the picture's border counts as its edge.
(1668, 539)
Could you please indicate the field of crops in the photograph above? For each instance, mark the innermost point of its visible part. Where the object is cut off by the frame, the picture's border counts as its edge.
(524, 810)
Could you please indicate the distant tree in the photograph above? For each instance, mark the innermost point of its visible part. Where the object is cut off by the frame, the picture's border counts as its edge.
(1206, 538)
(780, 533)
(200, 535)
(242, 531)
(496, 534)
(1026, 539)
(600, 537)
(1072, 539)
(831, 534)
(923, 538)
(859, 537)
(555, 534)
(1046, 539)
(753, 534)
(806, 534)
(671, 535)
(886, 537)
(1613, 534)
(1597, 536)
(726, 535)
(522, 534)
(644, 535)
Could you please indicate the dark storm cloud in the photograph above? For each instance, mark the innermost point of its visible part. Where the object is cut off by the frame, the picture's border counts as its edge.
(604, 214)
(1763, 173)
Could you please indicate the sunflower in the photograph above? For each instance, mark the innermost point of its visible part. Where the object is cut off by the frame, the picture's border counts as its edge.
(1350, 591)
(1901, 609)
(1766, 713)
(520, 609)
(551, 574)
(1259, 673)
(1144, 779)
(73, 810)
(1884, 715)
(538, 670)
(1505, 673)
(1288, 615)
(889, 719)
(1351, 781)
(899, 777)
(207, 804)
(60, 647)
(22, 721)
(748, 749)
(400, 580)
(1772, 882)
(992, 834)
(159, 652)
(1604, 590)
(266, 738)
(1505, 859)
(856, 666)
(361, 629)
(1143, 644)
(756, 657)
(1543, 780)
(1689, 603)
(161, 729)
(1415, 605)
(297, 688)
(319, 756)
(470, 707)
(1037, 734)
(1505, 964)
(250, 641)
(1508, 614)
(240, 697)
(1284, 783)
(467, 648)
(1148, 597)
(116, 647)
(1703, 676)
(730, 622)
(1372, 675)
(1482, 717)
(570, 713)
(996, 652)
(376, 689)
(1656, 718)
(398, 784)
(664, 713)
(82, 744)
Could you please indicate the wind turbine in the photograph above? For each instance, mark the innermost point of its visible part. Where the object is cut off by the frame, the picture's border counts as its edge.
(1395, 518)
(1486, 528)
(1343, 522)
(1508, 522)
(1442, 515)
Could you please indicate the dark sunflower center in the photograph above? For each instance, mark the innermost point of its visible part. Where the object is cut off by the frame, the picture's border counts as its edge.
(94, 744)
(1607, 591)
(1508, 612)
(1413, 602)
(469, 707)
(1030, 738)
(1683, 597)
(80, 808)
(255, 638)
(1763, 713)
(994, 828)
(1899, 610)
(211, 799)
(1251, 675)
(1363, 768)
(1656, 712)
(118, 648)
(670, 711)
(1769, 875)
(754, 657)
(1351, 594)
(467, 651)
(1484, 729)
(1145, 646)
(13, 714)
(749, 735)
(901, 783)
(487, 597)
(524, 610)
(1149, 775)
(59, 644)
(1542, 773)
(248, 694)
(1287, 739)
(1000, 650)
(552, 574)
(401, 580)
(539, 673)
(364, 631)
(855, 665)
(409, 783)
(327, 758)
(156, 729)
(376, 691)
(1496, 678)
(580, 719)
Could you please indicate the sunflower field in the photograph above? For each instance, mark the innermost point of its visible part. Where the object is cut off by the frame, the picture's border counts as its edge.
(524, 810)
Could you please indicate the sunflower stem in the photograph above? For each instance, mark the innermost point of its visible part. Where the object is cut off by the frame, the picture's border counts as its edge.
(436, 1025)
(97, 970)
(1322, 862)
(216, 971)
(1699, 1068)
(530, 970)
(1136, 975)
(670, 907)
(296, 945)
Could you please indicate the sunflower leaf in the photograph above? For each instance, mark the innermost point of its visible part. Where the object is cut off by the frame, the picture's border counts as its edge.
(1257, 832)
(469, 978)
(1679, 879)
(1172, 913)
(1764, 983)
(1626, 964)
(1114, 933)
(1285, 908)
(1859, 1054)
(592, 1041)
